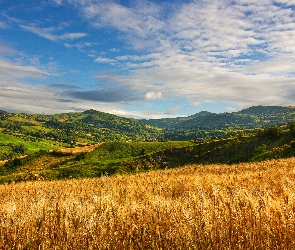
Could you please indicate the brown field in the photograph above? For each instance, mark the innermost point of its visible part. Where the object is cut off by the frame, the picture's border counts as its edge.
(245, 206)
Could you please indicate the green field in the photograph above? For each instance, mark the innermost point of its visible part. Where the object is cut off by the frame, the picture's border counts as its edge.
(9, 142)
(113, 158)
(109, 158)
(130, 146)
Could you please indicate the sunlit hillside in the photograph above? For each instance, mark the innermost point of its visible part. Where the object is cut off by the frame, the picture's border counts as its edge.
(245, 206)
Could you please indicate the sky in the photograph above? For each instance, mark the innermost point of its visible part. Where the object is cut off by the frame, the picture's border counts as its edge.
(146, 58)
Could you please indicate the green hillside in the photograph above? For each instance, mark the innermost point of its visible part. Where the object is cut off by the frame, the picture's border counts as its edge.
(34, 132)
(133, 157)
(108, 157)
(88, 127)
(13, 146)
(92, 143)
(206, 124)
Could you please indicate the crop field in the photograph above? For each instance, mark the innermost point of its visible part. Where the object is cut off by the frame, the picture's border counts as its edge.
(243, 206)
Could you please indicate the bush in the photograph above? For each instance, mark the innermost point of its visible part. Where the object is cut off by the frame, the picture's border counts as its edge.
(271, 132)
(291, 127)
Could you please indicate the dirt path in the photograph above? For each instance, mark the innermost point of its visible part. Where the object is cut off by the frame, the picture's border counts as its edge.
(77, 150)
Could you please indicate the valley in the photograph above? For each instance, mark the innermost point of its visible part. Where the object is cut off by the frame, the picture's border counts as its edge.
(91, 143)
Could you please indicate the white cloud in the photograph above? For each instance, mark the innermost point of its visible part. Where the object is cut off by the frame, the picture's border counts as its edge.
(71, 36)
(287, 2)
(114, 50)
(3, 25)
(172, 109)
(139, 23)
(80, 45)
(152, 95)
(104, 60)
(20, 97)
(210, 51)
(239, 52)
(48, 33)
(9, 70)
(58, 2)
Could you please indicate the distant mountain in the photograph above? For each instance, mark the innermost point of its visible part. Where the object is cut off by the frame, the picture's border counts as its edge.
(253, 117)
(206, 124)
(267, 110)
(77, 127)
(92, 126)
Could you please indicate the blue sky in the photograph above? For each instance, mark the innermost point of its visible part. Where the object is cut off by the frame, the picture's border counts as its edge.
(146, 59)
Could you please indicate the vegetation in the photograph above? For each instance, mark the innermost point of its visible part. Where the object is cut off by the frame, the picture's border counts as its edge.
(91, 161)
(13, 146)
(135, 157)
(32, 147)
(35, 132)
(218, 199)
(68, 130)
(208, 125)
(241, 206)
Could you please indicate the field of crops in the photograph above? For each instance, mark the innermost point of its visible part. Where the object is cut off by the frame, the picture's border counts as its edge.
(245, 206)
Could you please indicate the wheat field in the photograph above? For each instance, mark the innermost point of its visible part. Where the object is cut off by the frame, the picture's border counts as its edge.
(244, 206)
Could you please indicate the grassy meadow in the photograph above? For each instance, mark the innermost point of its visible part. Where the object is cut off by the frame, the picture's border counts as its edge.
(7, 142)
(242, 206)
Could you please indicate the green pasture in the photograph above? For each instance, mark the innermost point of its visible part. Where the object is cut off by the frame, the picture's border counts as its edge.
(30, 146)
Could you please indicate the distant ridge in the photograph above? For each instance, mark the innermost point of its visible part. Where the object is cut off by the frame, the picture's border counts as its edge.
(93, 126)
(267, 110)
(256, 116)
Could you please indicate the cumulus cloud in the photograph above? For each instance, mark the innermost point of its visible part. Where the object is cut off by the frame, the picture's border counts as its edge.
(208, 51)
(239, 52)
(152, 95)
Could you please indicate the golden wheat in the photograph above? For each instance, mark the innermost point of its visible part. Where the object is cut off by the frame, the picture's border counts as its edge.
(245, 206)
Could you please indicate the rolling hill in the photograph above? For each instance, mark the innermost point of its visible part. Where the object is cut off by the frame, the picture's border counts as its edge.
(33, 146)
(253, 117)
(206, 124)
(35, 132)
(112, 158)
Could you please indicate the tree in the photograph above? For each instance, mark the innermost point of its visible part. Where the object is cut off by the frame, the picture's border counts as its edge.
(291, 127)
(19, 149)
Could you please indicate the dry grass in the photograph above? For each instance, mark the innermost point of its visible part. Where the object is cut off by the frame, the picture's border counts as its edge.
(246, 206)
(84, 149)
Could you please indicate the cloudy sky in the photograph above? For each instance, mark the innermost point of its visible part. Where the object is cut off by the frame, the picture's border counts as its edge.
(146, 58)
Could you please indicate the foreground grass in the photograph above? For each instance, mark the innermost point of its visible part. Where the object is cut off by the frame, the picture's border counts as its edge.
(245, 206)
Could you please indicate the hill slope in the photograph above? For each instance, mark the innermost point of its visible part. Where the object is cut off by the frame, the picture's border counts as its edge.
(253, 117)
(133, 157)
(205, 124)
(66, 130)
